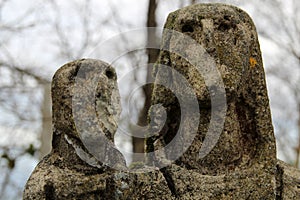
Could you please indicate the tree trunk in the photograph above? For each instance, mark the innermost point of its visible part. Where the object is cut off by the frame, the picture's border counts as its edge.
(298, 146)
(193, 2)
(138, 143)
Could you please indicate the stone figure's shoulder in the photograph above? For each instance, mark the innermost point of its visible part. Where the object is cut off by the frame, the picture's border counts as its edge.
(288, 181)
(192, 184)
(51, 180)
(39, 183)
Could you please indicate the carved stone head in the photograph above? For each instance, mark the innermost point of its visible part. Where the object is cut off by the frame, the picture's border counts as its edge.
(86, 108)
(228, 36)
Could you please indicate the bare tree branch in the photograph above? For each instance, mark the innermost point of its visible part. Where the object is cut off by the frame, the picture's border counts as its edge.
(26, 72)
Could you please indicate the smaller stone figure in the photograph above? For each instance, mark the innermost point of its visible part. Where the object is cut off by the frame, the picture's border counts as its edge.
(70, 171)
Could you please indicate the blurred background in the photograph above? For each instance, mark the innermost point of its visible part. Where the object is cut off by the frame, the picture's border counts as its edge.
(39, 36)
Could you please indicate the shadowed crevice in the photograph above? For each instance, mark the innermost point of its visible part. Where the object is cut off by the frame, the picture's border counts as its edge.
(49, 191)
(279, 182)
(169, 180)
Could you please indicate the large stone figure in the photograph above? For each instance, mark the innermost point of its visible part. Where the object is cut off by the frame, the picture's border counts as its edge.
(70, 171)
(242, 164)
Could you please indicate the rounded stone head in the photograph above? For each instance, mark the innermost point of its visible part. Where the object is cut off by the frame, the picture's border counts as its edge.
(73, 81)
(226, 33)
(86, 107)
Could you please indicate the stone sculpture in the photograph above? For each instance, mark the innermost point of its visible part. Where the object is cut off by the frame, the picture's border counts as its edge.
(86, 107)
(70, 171)
(242, 164)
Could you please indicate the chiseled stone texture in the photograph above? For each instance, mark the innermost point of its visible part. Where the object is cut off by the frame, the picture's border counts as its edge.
(243, 163)
(288, 181)
(70, 171)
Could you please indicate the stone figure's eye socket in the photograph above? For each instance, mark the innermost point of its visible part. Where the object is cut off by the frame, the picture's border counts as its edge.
(187, 28)
(98, 95)
(225, 24)
(110, 74)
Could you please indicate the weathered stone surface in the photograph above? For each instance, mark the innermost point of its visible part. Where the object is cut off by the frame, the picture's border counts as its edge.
(70, 171)
(288, 181)
(229, 36)
(149, 183)
(243, 163)
(84, 164)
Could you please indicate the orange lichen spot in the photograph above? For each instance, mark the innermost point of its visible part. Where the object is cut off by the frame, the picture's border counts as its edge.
(253, 62)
